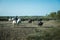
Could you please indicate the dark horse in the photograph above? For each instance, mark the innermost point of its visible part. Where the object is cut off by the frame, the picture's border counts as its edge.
(40, 22)
(30, 21)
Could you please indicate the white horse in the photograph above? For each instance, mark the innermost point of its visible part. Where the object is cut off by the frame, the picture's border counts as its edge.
(18, 21)
(14, 22)
(12, 19)
(9, 19)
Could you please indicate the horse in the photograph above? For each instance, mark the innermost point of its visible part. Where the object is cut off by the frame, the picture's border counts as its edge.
(30, 21)
(40, 23)
(9, 19)
(12, 19)
(16, 21)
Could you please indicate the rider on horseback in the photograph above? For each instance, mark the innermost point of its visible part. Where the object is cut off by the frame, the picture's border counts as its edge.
(16, 18)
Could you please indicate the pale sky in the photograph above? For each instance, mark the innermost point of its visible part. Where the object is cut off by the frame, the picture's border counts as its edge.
(28, 7)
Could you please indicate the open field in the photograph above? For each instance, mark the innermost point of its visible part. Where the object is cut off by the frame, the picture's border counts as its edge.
(8, 31)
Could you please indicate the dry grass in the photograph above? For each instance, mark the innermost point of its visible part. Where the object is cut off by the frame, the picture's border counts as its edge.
(19, 32)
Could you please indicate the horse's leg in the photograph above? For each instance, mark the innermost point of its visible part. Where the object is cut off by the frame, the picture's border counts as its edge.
(13, 24)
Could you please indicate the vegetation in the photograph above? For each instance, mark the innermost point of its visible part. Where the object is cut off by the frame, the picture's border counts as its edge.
(28, 31)
(51, 34)
(54, 15)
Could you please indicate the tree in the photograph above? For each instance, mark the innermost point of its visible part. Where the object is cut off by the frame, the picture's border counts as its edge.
(58, 14)
(52, 15)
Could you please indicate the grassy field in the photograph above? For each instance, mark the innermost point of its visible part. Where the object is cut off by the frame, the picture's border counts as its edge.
(29, 31)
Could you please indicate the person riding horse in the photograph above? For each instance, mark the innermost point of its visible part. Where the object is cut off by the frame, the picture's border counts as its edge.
(16, 18)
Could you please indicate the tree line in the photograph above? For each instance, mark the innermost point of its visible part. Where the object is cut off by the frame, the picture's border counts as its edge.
(55, 15)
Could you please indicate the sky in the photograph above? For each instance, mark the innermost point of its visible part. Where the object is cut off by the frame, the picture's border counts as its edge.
(28, 7)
